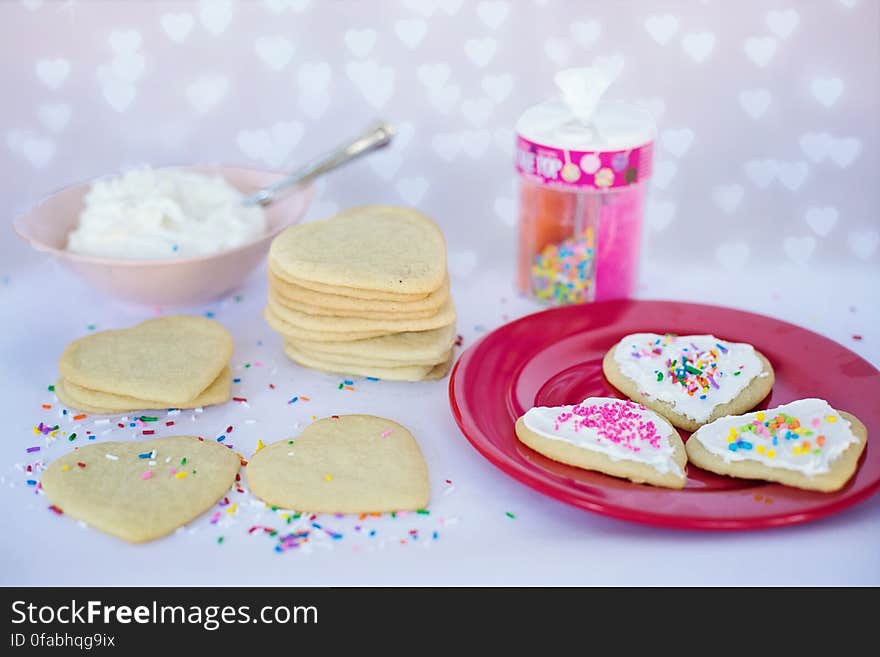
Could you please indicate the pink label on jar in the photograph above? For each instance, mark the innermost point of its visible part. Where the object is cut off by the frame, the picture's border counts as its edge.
(566, 169)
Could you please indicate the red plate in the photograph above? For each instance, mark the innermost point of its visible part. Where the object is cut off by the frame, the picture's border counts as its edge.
(555, 357)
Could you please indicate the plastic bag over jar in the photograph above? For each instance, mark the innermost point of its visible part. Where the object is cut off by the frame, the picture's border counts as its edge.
(583, 167)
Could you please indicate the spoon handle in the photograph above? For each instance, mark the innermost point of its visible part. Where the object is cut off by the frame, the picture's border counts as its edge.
(375, 137)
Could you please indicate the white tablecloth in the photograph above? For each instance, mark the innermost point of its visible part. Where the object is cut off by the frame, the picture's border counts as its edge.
(483, 527)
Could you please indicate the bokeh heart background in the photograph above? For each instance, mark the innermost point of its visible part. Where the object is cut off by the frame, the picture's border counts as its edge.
(767, 152)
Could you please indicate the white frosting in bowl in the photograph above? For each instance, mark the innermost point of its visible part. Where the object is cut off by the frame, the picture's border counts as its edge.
(150, 214)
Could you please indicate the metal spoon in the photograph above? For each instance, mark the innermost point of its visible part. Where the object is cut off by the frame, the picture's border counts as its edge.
(375, 137)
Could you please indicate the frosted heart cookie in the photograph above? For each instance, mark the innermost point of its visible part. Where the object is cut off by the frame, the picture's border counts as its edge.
(344, 464)
(689, 379)
(617, 437)
(169, 360)
(375, 247)
(106, 403)
(140, 491)
(805, 444)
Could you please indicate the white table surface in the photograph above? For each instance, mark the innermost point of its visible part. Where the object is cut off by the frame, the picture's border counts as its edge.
(477, 542)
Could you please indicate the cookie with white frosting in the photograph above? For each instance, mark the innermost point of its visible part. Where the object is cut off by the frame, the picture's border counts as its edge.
(690, 380)
(615, 436)
(806, 444)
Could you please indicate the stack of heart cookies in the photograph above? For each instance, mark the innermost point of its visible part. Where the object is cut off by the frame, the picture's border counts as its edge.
(176, 361)
(365, 292)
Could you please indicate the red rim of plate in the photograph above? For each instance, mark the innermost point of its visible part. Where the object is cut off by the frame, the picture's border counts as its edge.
(815, 505)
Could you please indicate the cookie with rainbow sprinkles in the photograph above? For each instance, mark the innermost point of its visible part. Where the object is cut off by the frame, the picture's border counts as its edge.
(690, 380)
(617, 437)
(806, 444)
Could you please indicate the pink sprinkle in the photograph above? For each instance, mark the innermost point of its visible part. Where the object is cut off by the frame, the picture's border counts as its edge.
(172, 471)
(620, 422)
(386, 433)
(147, 474)
(816, 422)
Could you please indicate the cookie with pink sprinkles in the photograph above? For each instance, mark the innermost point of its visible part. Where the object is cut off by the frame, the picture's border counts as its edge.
(616, 437)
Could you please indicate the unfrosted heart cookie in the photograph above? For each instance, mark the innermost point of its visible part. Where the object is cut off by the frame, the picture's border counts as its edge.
(374, 247)
(295, 332)
(105, 403)
(387, 372)
(689, 379)
(348, 292)
(806, 444)
(410, 347)
(304, 295)
(614, 436)
(169, 360)
(344, 464)
(322, 311)
(140, 491)
(443, 317)
(366, 361)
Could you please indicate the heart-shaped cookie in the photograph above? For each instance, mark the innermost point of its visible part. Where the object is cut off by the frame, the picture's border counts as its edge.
(344, 464)
(614, 436)
(689, 379)
(805, 443)
(387, 372)
(105, 403)
(169, 360)
(304, 295)
(374, 247)
(144, 490)
(391, 324)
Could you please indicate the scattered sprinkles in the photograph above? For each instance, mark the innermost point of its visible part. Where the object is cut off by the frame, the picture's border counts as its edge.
(297, 531)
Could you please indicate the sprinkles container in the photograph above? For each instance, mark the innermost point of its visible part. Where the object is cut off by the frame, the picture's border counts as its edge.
(583, 166)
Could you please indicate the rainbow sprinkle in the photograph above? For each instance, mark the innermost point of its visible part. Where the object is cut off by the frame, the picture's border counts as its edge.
(563, 273)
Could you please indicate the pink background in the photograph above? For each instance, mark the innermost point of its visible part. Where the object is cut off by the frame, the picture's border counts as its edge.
(741, 91)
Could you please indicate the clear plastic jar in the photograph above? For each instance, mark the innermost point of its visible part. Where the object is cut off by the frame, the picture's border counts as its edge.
(583, 173)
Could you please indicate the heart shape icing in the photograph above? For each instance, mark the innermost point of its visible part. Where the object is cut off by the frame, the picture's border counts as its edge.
(144, 490)
(689, 378)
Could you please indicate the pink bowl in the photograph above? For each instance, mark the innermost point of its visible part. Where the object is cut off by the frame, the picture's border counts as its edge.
(165, 282)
